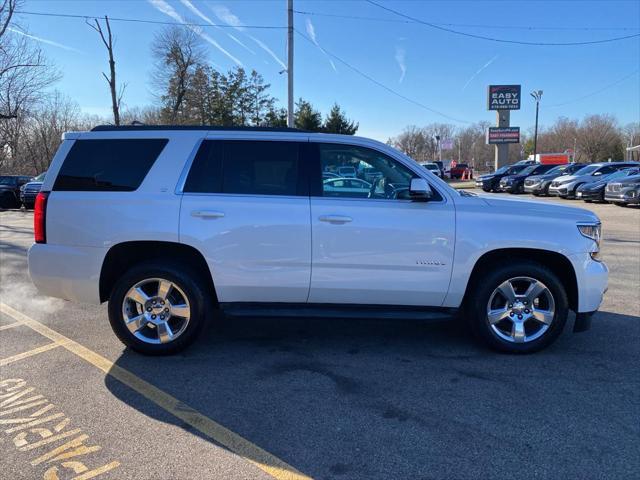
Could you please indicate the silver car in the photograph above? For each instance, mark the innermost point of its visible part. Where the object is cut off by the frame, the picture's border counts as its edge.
(566, 185)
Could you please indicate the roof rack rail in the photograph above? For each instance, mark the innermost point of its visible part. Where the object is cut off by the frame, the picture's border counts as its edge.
(112, 128)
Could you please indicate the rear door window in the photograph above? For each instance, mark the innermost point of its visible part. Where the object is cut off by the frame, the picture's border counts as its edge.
(247, 167)
(118, 165)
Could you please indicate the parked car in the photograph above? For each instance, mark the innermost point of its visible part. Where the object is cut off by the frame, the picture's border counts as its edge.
(347, 172)
(342, 186)
(525, 162)
(29, 190)
(441, 167)
(594, 191)
(515, 183)
(459, 170)
(10, 190)
(247, 226)
(565, 185)
(433, 168)
(326, 175)
(491, 181)
(539, 184)
(624, 191)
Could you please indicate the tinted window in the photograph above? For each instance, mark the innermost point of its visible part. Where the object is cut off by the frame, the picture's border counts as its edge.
(108, 165)
(246, 167)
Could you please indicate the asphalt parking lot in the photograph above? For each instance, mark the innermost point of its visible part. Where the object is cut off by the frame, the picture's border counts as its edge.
(330, 399)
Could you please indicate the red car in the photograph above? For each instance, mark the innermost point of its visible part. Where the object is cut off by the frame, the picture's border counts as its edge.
(459, 170)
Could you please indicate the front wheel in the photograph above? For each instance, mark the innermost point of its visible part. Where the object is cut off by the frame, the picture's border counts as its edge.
(158, 308)
(518, 308)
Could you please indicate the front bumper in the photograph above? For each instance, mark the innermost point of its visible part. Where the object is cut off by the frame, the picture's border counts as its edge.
(593, 280)
(560, 191)
(589, 195)
(28, 198)
(630, 196)
(537, 188)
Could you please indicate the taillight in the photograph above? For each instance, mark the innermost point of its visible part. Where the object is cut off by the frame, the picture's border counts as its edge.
(40, 218)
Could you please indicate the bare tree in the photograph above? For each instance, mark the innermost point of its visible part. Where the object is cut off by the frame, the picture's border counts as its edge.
(24, 76)
(178, 52)
(42, 132)
(107, 40)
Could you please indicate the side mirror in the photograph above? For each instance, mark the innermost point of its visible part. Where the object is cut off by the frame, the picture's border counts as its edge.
(420, 190)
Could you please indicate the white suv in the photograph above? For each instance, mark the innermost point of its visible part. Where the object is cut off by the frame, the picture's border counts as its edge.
(173, 225)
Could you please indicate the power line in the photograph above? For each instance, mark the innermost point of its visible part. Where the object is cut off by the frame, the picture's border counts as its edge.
(596, 92)
(380, 84)
(499, 40)
(467, 25)
(154, 22)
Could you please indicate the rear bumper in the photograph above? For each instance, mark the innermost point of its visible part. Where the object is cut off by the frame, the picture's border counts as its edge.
(71, 273)
(593, 281)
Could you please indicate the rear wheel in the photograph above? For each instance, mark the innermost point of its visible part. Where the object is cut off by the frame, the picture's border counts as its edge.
(518, 308)
(159, 309)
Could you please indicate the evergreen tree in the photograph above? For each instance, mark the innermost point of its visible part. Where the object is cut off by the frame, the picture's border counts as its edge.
(261, 103)
(337, 122)
(306, 117)
(276, 117)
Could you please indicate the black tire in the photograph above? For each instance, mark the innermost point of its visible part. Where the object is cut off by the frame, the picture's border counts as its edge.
(486, 189)
(8, 200)
(483, 288)
(200, 302)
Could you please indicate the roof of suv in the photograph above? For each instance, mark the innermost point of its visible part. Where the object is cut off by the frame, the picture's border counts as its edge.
(124, 128)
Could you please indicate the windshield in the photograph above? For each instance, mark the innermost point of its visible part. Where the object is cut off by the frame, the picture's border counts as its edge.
(528, 170)
(502, 169)
(432, 167)
(622, 173)
(7, 180)
(39, 178)
(588, 170)
(513, 169)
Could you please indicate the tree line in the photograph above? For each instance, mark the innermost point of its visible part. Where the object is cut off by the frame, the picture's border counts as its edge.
(595, 138)
(189, 90)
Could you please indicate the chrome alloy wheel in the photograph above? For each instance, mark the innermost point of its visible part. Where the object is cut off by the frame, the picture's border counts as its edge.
(520, 309)
(156, 311)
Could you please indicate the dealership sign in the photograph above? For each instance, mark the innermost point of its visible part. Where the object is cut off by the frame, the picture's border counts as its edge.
(499, 135)
(503, 97)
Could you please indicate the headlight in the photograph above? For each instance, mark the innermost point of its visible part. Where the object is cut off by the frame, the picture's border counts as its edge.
(594, 232)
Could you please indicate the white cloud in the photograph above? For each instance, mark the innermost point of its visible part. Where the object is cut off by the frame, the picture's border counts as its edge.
(164, 7)
(44, 40)
(204, 17)
(311, 31)
(225, 15)
(400, 58)
(478, 72)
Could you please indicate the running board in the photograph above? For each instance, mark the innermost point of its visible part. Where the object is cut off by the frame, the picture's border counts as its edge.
(382, 312)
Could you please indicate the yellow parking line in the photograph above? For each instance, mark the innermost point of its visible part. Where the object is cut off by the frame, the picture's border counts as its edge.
(261, 458)
(11, 325)
(30, 353)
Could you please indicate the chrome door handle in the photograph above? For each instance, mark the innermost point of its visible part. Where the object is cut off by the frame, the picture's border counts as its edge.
(207, 214)
(335, 219)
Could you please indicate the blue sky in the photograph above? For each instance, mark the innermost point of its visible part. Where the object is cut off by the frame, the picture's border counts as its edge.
(443, 71)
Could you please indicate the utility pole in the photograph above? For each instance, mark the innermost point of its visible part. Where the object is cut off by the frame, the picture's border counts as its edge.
(290, 122)
(537, 95)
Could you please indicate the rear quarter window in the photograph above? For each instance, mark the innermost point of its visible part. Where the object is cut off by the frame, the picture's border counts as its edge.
(117, 165)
